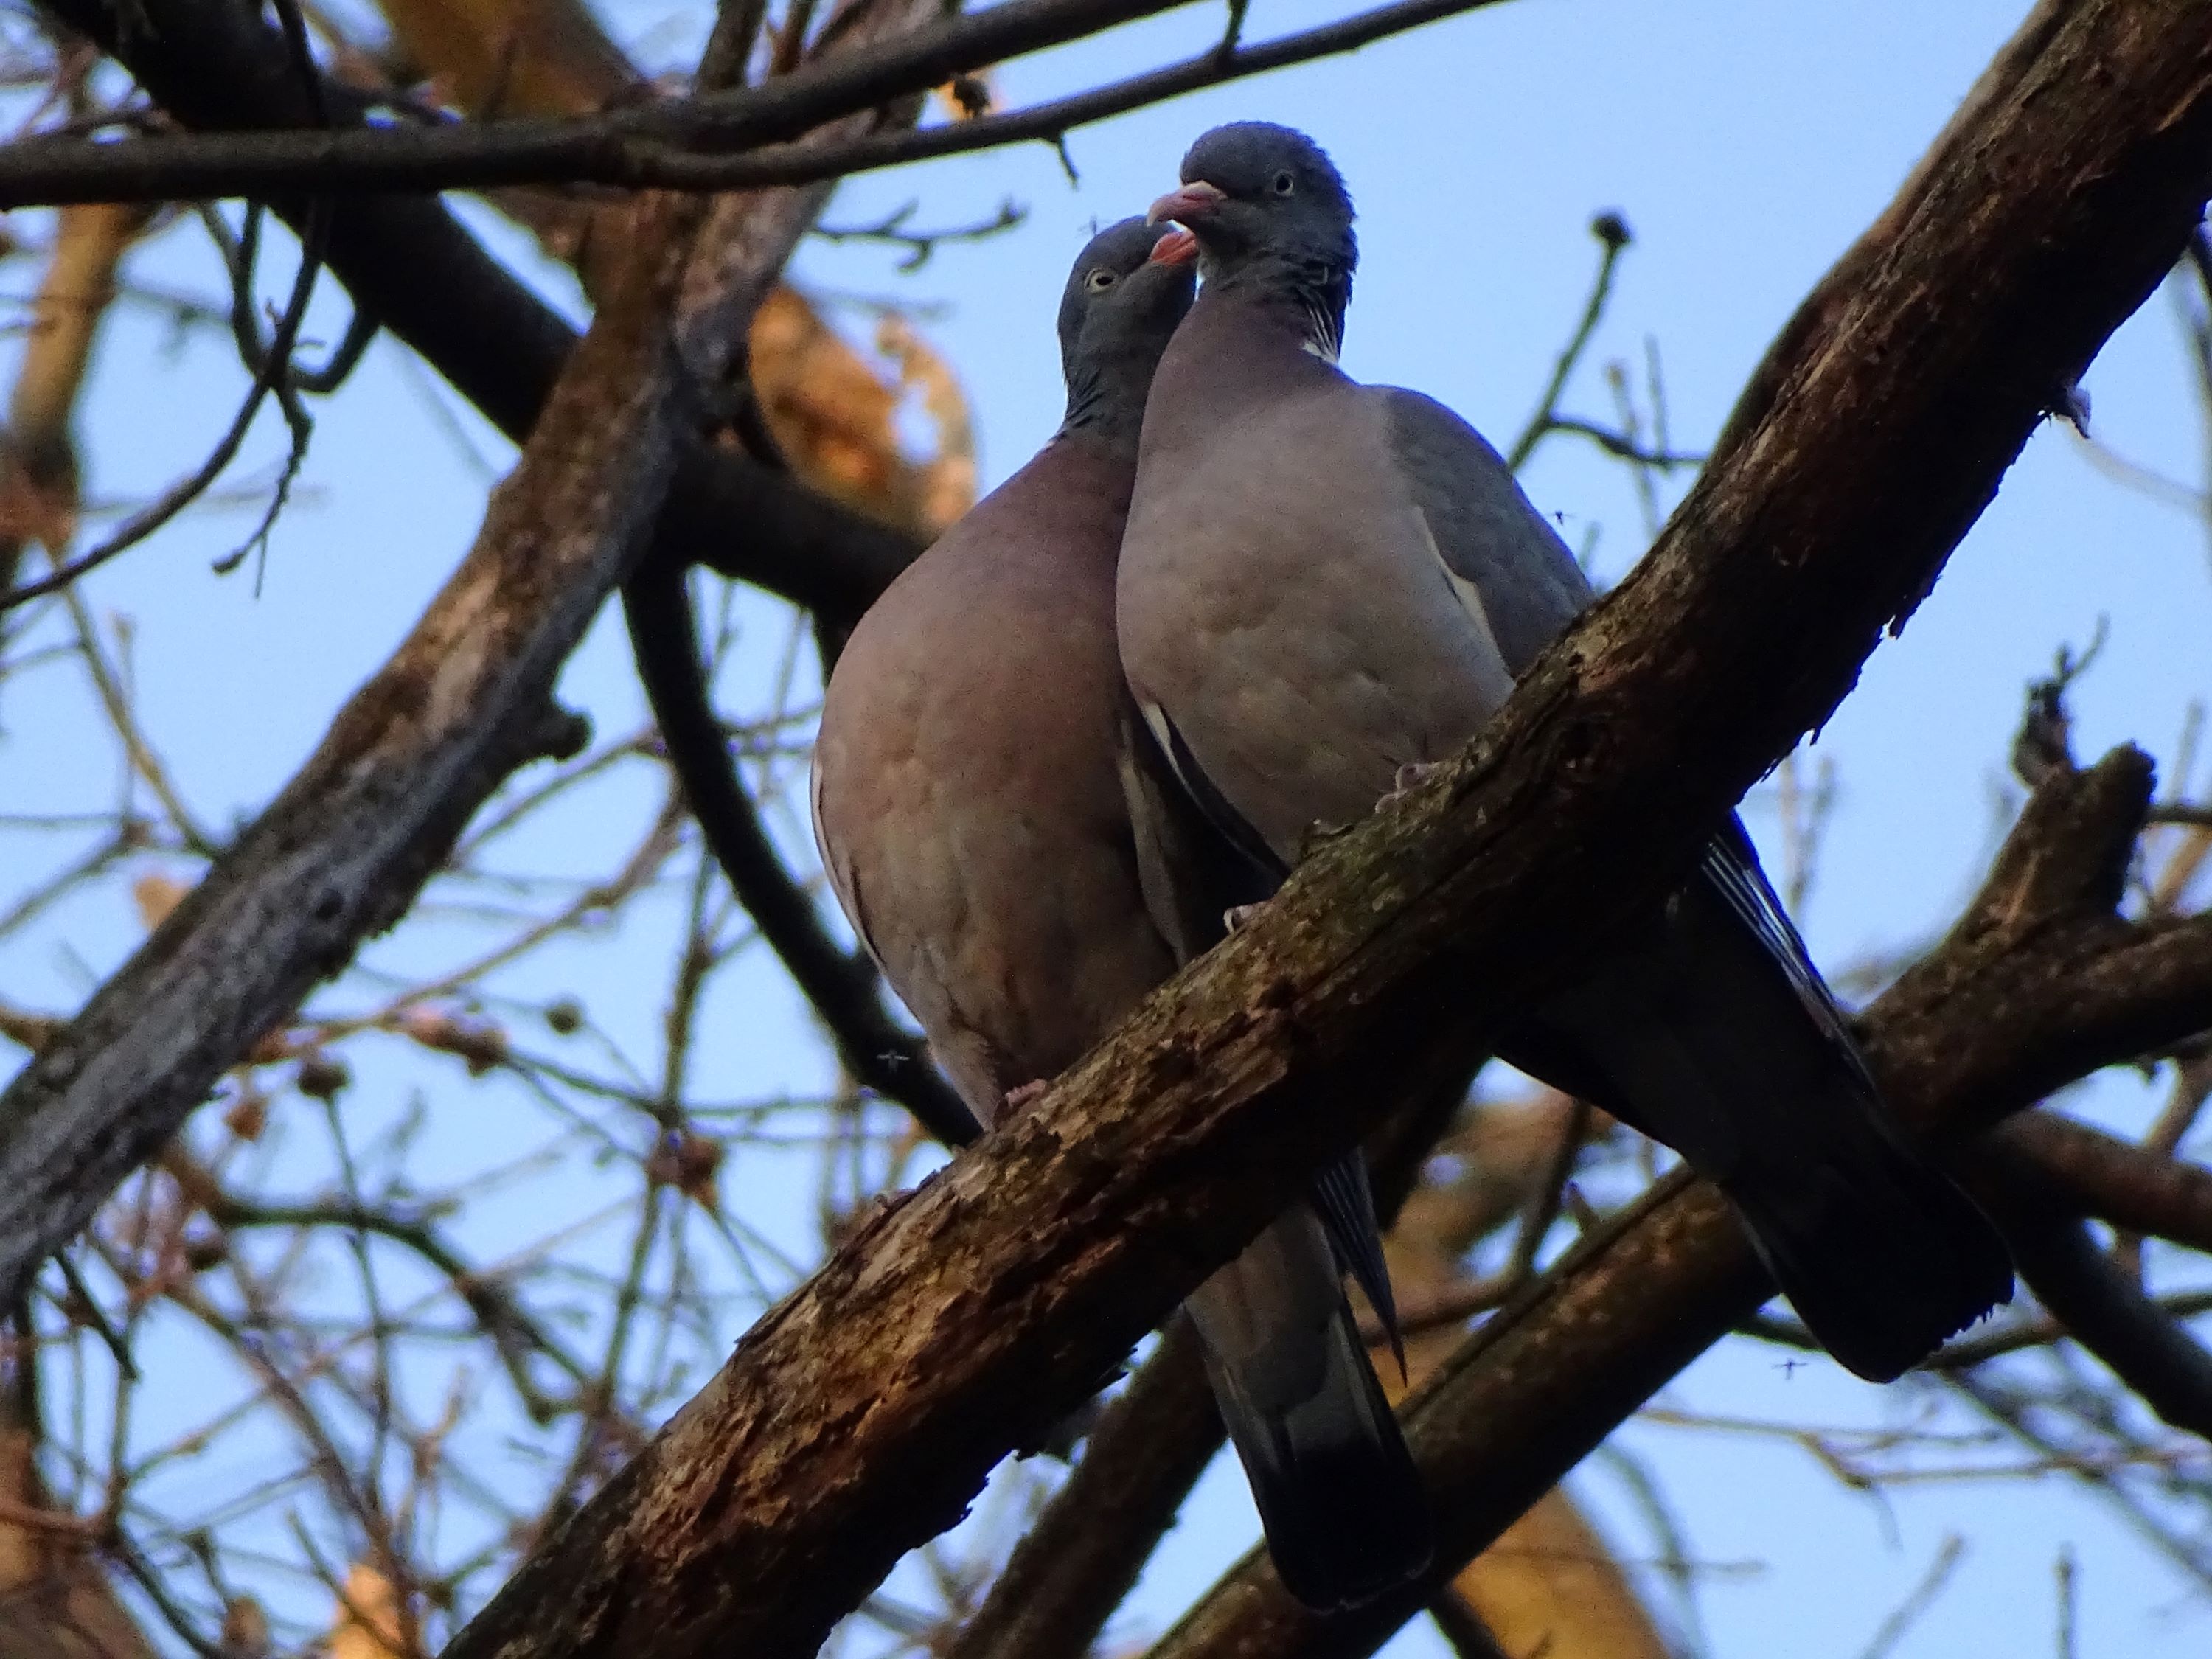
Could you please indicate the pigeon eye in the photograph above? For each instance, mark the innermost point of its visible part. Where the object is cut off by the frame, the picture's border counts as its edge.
(1284, 183)
(1099, 280)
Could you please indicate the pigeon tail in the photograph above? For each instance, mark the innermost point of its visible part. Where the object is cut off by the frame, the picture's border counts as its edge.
(1716, 1039)
(1882, 1256)
(1345, 1518)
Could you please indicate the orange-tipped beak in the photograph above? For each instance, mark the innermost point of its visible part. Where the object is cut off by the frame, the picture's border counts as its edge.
(1192, 202)
(1177, 247)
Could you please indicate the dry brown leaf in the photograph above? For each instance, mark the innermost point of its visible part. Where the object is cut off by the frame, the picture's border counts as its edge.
(38, 456)
(368, 1625)
(156, 896)
(946, 485)
(511, 57)
(248, 1115)
(480, 1043)
(837, 420)
(964, 97)
(833, 415)
(690, 1162)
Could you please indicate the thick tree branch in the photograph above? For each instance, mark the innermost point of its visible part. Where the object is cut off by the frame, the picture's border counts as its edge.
(343, 850)
(863, 1413)
(698, 144)
(1075, 1565)
(2106, 1310)
(617, 146)
(2114, 1180)
(2101, 1304)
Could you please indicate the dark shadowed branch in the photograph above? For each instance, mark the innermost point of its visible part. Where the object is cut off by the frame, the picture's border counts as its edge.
(694, 144)
(843, 988)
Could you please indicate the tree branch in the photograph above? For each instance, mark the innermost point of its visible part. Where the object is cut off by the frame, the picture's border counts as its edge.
(684, 143)
(408, 263)
(1075, 1566)
(2134, 1190)
(214, 64)
(618, 146)
(2106, 1310)
(860, 1415)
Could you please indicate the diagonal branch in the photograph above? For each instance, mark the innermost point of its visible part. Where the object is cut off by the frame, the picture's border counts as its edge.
(411, 264)
(342, 851)
(2134, 1190)
(2106, 1309)
(862, 1413)
(1076, 1565)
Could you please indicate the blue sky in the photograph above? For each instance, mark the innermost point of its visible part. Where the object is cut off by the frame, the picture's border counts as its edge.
(1745, 145)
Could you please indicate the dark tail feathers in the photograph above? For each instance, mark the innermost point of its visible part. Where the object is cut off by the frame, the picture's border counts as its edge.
(1714, 1037)
(1882, 1255)
(1345, 1518)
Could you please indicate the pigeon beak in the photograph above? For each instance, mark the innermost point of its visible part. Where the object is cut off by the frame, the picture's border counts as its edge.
(1177, 247)
(1189, 205)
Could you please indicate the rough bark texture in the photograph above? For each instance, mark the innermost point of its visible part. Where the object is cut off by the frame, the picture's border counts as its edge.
(343, 849)
(1075, 1565)
(862, 1413)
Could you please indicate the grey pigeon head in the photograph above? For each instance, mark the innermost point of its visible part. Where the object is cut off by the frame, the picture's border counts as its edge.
(1116, 315)
(1257, 196)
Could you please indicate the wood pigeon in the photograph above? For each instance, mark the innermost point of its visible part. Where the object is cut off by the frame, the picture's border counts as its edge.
(1011, 848)
(1323, 583)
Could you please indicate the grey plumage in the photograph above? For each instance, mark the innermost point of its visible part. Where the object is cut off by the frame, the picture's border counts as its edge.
(1323, 582)
(1001, 832)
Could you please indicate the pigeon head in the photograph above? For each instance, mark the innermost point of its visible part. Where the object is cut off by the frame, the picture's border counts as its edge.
(1264, 197)
(1119, 309)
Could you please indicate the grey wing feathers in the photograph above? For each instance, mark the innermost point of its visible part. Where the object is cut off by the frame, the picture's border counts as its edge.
(1191, 873)
(1731, 868)
(1490, 536)
(1345, 1201)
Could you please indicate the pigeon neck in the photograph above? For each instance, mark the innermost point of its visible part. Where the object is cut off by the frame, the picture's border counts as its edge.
(1310, 293)
(1106, 402)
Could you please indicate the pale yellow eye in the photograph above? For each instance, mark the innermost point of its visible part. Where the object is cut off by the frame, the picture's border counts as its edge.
(1100, 279)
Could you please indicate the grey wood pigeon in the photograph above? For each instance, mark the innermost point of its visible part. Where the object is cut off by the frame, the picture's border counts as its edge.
(1011, 848)
(1323, 583)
